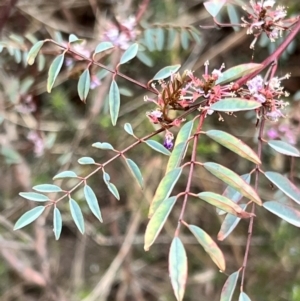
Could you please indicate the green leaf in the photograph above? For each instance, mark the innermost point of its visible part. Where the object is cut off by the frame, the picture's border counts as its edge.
(86, 160)
(33, 52)
(103, 145)
(57, 223)
(214, 6)
(285, 185)
(160, 38)
(47, 188)
(92, 202)
(54, 71)
(113, 189)
(102, 47)
(229, 224)
(74, 39)
(33, 196)
(223, 203)
(158, 147)
(196, 35)
(184, 38)
(114, 101)
(65, 174)
(237, 71)
(166, 72)
(284, 148)
(244, 297)
(171, 37)
(164, 189)
(158, 220)
(84, 84)
(128, 128)
(231, 178)
(106, 177)
(145, 59)
(287, 213)
(28, 217)
(135, 172)
(178, 268)
(180, 146)
(210, 247)
(234, 195)
(235, 105)
(41, 62)
(77, 215)
(229, 287)
(234, 144)
(149, 39)
(129, 54)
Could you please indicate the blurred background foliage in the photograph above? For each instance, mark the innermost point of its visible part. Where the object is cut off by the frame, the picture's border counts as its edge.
(42, 134)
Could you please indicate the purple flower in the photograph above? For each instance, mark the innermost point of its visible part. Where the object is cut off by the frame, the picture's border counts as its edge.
(168, 142)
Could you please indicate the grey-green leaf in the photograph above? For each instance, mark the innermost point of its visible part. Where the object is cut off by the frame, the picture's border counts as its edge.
(103, 46)
(234, 180)
(65, 174)
(47, 188)
(284, 184)
(74, 39)
(135, 171)
(103, 145)
(57, 223)
(287, 213)
(128, 128)
(178, 268)
(160, 38)
(158, 147)
(114, 102)
(86, 160)
(166, 72)
(84, 84)
(77, 215)
(284, 148)
(229, 224)
(129, 54)
(157, 221)
(234, 144)
(229, 287)
(113, 189)
(144, 58)
(33, 52)
(244, 297)
(180, 146)
(164, 189)
(235, 105)
(28, 217)
(92, 202)
(54, 71)
(33, 196)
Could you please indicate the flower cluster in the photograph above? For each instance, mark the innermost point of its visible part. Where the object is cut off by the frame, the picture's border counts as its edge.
(268, 93)
(262, 17)
(183, 92)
